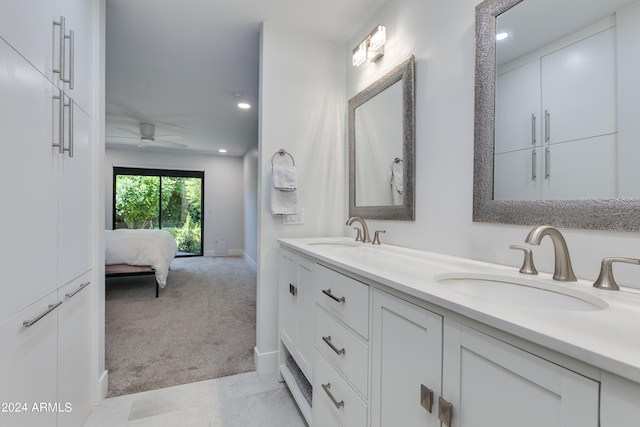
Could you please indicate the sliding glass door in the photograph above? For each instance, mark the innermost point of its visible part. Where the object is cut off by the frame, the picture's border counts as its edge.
(170, 200)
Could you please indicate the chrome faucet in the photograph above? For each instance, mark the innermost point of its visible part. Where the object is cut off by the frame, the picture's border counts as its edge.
(563, 271)
(365, 230)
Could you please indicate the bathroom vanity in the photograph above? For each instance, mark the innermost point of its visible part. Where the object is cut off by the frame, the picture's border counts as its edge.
(393, 336)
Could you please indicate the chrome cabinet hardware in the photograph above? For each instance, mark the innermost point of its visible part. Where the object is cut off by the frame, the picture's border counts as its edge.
(327, 339)
(71, 78)
(547, 126)
(426, 398)
(547, 163)
(445, 411)
(61, 43)
(81, 287)
(527, 266)
(376, 237)
(605, 280)
(60, 144)
(327, 388)
(534, 163)
(50, 308)
(293, 290)
(70, 106)
(533, 129)
(328, 293)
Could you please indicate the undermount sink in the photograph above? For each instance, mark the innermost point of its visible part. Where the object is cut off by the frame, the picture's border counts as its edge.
(334, 244)
(523, 292)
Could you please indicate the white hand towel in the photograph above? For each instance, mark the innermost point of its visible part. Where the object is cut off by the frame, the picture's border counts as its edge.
(397, 183)
(284, 178)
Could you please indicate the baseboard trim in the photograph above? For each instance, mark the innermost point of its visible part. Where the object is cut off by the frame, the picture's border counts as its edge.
(250, 261)
(266, 363)
(103, 385)
(232, 252)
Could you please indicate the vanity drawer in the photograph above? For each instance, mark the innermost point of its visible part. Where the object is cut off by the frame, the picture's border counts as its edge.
(345, 298)
(331, 389)
(322, 415)
(349, 354)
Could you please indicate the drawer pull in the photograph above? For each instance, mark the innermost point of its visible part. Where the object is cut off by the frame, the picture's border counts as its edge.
(426, 398)
(328, 293)
(445, 411)
(326, 388)
(333, 347)
(81, 287)
(49, 309)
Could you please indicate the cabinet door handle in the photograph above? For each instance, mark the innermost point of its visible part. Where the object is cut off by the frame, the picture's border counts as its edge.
(326, 388)
(81, 287)
(293, 290)
(70, 149)
(533, 129)
(445, 411)
(547, 163)
(49, 309)
(60, 99)
(61, 43)
(426, 398)
(71, 78)
(547, 126)
(534, 163)
(328, 293)
(327, 339)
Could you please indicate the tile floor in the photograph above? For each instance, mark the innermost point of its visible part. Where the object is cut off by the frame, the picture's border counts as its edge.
(243, 400)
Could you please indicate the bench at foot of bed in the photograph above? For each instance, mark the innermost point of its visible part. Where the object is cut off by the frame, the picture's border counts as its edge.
(121, 270)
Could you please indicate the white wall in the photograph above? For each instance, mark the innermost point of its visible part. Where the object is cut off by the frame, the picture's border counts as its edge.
(302, 109)
(223, 186)
(441, 34)
(250, 195)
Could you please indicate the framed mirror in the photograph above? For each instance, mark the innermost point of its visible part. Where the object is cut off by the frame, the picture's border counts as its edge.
(382, 147)
(556, 110)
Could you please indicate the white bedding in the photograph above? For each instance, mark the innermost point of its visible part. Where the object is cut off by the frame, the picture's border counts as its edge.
(156, 248)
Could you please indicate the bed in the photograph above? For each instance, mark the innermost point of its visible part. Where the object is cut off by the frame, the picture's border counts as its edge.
(139, 252)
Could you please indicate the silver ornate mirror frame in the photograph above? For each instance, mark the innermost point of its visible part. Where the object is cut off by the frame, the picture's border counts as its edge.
(599, 214)
(404, 72)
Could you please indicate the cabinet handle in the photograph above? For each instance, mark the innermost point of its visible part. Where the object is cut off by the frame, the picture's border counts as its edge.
(60, 69)
(534, 163)
(426, 398)
(60, 99)
(533, 129)
(547, 163)
(327, 339)
(49, 309)
(293, 290)
(547, 126)
(71, 78)
(445, 411)
(328, 293)
(70, 149)
(81, 287)
(326, 388)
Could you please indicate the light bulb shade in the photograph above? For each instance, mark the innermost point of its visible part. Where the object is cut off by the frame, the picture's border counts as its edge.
(360, 54)
(377, 40)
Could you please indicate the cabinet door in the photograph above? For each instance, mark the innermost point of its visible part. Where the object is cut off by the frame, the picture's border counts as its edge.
(28, 28)
(29, 367)
(28, 167)
(491, 383)
(75, 207)
(517, 175)
(75, 373)
(579, 88)
(288, 288)
(305, 316)
(518, 123)
(406, 358)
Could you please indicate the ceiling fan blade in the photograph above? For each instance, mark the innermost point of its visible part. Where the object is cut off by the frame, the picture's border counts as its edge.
(172, 143)
(130, 131)
(121, 137)
(171, 137)
(144, 143)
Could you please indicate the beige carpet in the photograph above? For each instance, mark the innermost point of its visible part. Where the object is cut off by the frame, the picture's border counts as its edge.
(202, 326)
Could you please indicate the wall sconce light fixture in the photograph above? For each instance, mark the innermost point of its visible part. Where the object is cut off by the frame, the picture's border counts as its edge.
(371, 48)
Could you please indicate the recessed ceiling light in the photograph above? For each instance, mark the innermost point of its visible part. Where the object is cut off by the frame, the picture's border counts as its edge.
(501, 36)
(222, 150)
(244, 105)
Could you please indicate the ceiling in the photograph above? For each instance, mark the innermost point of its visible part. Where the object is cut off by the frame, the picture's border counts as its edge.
(182, 64)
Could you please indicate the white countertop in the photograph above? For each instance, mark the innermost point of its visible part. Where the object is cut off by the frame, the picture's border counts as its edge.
(608, 338)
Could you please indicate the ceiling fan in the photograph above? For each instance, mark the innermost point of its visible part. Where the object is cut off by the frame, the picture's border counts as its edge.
(148, 135)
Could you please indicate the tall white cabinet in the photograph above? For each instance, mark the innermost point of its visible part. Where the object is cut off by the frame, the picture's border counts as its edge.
(46, 312)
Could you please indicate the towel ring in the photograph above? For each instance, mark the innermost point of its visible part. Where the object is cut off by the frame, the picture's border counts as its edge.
(282, 152)
(397, 160)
